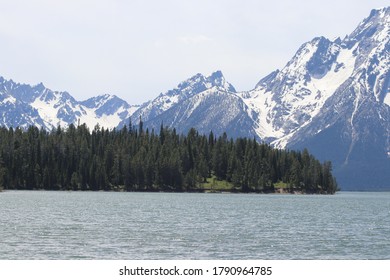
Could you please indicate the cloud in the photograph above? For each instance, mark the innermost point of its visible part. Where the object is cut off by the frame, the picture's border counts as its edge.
(194, 39)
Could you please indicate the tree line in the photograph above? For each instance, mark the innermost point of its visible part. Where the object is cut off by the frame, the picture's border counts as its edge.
(136, 159)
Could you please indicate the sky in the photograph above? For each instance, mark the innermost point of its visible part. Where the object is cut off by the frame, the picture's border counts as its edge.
(137, 49)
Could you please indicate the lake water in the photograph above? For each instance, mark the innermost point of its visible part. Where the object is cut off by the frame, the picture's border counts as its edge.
(108, 225)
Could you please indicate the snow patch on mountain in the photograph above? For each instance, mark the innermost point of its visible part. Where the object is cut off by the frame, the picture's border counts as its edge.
(387, 99)
(289, 99)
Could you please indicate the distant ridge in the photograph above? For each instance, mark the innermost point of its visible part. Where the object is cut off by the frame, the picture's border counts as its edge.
(23, 105)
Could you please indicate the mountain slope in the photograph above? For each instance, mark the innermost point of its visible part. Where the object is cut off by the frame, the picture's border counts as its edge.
(207, 103)
(204, 112)
(288, 99)
(353, 127)
(184, 90)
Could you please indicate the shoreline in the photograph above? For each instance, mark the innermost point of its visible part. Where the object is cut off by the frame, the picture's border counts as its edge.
(206, 191)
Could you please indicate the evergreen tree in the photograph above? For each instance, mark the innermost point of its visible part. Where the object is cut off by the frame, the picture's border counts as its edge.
(139, 160)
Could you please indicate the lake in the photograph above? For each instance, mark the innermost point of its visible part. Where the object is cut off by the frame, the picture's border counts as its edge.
(110, 225)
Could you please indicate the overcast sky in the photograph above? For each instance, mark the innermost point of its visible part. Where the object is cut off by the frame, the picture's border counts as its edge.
(136, 49)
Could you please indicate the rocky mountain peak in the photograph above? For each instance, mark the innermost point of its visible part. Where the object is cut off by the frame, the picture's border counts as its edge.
(199, 83)
(376, 26)
(218, 80)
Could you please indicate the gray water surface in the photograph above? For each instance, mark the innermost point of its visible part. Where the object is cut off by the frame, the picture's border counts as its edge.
(108, 225)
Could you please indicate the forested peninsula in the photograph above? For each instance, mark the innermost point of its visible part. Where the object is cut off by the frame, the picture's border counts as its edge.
(137, 159)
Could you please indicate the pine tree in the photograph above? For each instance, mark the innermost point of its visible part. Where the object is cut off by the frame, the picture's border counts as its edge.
(75, 158)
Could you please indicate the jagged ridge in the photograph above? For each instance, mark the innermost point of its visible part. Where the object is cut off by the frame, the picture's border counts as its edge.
(24, 105)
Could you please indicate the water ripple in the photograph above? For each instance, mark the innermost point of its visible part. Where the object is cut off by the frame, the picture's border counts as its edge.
(87, 225)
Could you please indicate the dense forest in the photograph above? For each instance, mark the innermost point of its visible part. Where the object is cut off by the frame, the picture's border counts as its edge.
(136, 159)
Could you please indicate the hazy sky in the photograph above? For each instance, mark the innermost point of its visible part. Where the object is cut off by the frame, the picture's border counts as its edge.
(137, 49)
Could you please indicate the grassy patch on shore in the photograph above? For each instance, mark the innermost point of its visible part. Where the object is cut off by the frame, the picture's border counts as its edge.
(214, 185)
(280, 185)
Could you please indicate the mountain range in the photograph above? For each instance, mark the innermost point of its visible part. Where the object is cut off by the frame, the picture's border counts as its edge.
(22, 105)
(332, 97)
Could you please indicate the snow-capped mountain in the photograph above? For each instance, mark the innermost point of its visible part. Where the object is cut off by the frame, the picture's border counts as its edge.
(109, 110)
(208, 103)
(23, 105)
(352, 128)
(183, 92)
(332, 97)
(288, 99)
